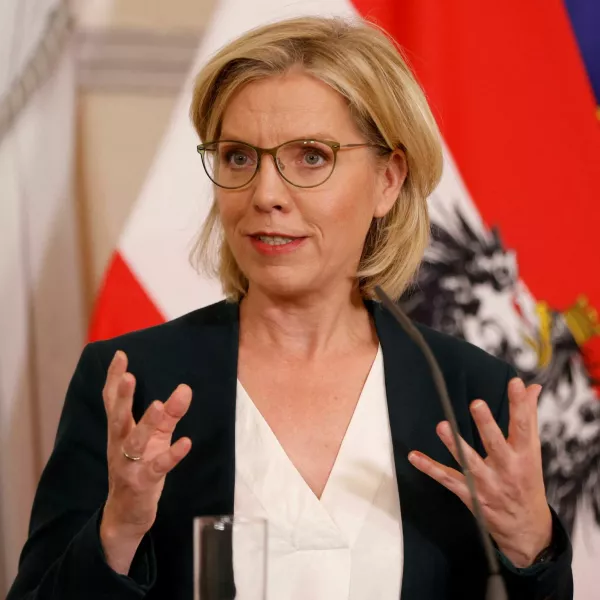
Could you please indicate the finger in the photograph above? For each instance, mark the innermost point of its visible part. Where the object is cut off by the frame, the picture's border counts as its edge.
(175, 408)
(116, 369)
(139, 436)
(450, 478)
(120, 418)
(493, 439)
(169, 459)
(522, 425)
(474, 462)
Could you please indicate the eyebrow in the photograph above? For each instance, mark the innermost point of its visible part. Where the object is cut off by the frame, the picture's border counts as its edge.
(314, 136)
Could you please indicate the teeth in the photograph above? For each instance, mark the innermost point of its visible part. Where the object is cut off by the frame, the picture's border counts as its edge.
(275, 240)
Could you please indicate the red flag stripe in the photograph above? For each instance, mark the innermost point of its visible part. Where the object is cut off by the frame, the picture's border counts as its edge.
(123, 305)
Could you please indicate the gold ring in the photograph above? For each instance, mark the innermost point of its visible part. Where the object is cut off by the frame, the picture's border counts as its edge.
(129, 457)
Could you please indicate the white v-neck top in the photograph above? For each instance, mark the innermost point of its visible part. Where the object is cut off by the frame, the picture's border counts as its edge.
(348, 544)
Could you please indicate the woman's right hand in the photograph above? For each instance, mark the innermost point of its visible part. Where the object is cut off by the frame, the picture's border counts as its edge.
(135, 486)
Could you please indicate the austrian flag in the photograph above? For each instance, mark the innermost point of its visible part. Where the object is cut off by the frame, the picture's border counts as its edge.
(513, 262)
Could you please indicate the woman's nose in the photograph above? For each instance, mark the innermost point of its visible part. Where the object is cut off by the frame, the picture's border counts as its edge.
(270, 191)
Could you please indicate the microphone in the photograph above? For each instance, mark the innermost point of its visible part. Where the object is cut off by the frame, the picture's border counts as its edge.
(496, 590)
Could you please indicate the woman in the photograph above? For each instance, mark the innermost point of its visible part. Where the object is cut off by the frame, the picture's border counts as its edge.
(308, 397)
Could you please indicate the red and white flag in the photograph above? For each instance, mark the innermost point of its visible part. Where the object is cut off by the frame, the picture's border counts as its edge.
(521, 186)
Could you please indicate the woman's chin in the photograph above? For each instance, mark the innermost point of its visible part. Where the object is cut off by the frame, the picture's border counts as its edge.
(284, 282)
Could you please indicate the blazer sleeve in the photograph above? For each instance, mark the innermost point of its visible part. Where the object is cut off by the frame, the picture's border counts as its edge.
(63, 557)
(547, 581)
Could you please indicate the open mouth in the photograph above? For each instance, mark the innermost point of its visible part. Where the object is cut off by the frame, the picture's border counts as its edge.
(275, 240)
(271, 244)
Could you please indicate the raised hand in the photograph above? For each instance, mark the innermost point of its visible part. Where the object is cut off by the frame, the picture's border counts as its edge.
(509, 482)
(139, 458)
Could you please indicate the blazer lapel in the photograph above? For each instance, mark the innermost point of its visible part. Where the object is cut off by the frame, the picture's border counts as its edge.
(432, 517)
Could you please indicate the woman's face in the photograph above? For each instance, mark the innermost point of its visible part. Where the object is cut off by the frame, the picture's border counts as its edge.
(291, 241)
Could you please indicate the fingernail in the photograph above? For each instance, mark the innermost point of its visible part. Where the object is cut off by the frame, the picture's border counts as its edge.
(517, 384)
(119, 355)
(413, 457)
(444, 429)
(477, 405)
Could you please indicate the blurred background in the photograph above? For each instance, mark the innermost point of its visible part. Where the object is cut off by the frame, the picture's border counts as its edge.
(87, 89)
(101, 192)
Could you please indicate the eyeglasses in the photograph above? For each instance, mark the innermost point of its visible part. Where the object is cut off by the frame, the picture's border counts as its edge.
(307, 163)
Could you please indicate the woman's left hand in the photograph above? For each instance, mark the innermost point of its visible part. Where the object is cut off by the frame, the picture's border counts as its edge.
(509, 482)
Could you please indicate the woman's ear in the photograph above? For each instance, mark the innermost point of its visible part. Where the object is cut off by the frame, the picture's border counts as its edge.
(392, 177)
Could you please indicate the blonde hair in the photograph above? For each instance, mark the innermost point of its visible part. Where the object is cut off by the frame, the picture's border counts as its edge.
(363, 64)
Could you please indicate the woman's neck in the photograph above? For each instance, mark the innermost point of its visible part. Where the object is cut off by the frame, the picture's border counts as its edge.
(305, 328)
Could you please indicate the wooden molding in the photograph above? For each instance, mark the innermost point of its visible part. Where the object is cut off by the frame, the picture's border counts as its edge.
(134, 61)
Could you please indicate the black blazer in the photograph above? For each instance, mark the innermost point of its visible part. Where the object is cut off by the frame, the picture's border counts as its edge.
(443, 557)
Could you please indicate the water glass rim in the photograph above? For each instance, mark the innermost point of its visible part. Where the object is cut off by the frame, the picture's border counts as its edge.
(229, 520)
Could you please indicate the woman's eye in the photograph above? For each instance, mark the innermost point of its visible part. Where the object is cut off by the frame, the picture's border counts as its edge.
(313, 158)
(236, 158)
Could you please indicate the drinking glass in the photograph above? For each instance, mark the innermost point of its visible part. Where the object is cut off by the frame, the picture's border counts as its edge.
(230, 558)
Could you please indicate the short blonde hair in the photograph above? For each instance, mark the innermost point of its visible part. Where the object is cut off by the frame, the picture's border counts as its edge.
(362, 63)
